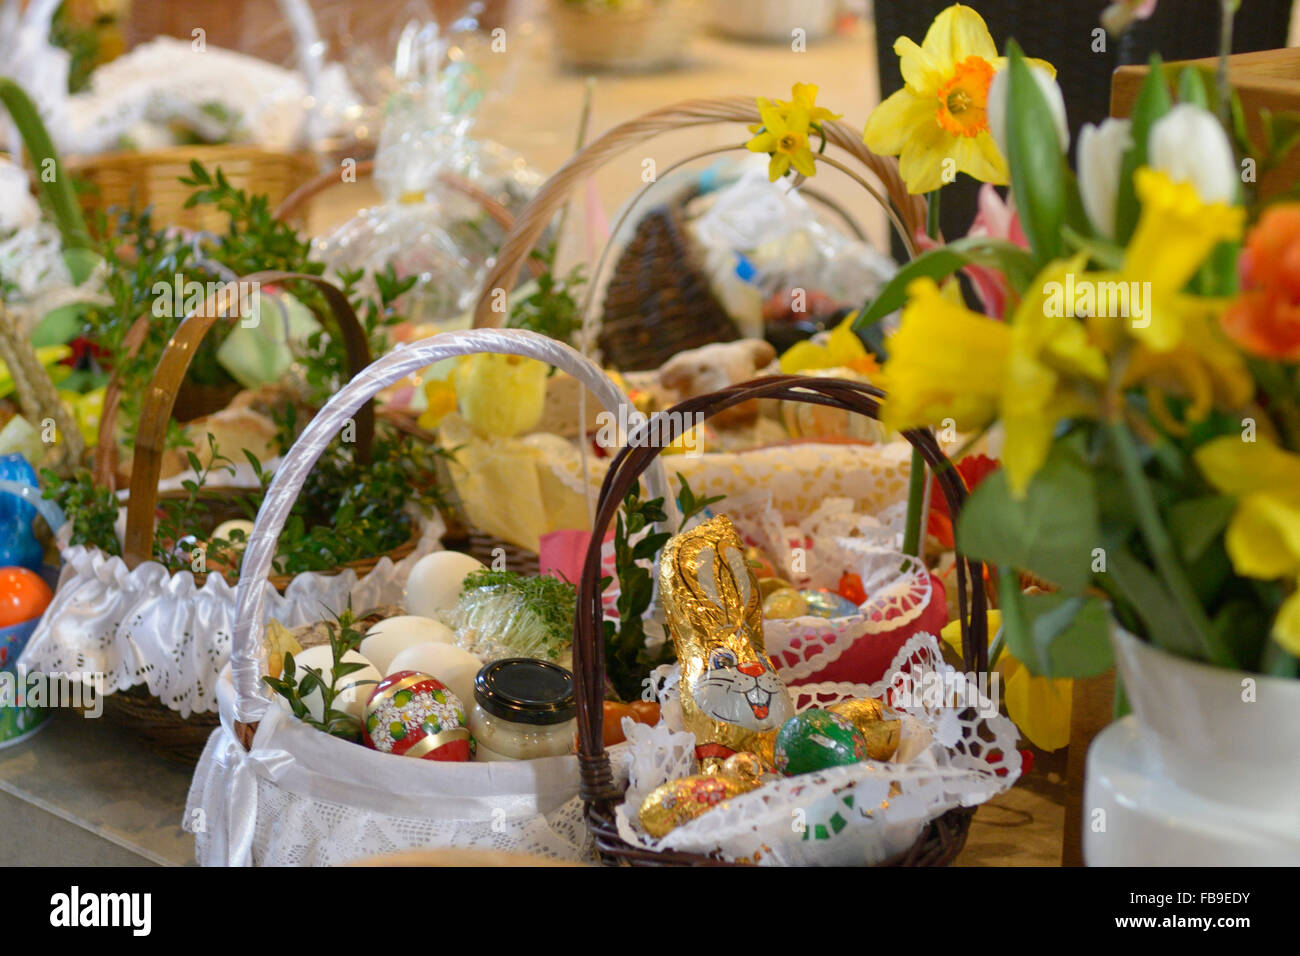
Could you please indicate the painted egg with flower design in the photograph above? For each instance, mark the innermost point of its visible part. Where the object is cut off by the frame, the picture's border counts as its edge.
(415, 715)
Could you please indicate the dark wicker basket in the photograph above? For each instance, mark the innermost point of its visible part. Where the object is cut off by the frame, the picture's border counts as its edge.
(658, 301)
(944, 837)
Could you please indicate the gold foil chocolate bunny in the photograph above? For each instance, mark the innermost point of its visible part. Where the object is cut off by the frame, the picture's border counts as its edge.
(732, 698)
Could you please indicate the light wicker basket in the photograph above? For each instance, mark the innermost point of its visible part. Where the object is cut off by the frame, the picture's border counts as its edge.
(650, 36)
(152, 178)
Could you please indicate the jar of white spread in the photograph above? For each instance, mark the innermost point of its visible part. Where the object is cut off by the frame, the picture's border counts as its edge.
(523, 708)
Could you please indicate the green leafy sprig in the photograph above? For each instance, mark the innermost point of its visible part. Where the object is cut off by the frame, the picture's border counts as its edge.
(294, 684)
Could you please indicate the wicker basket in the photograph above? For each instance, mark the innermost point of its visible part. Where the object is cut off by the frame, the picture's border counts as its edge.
(944, 837)
(146, 715)
(151, 177)
(907, 212)
(659, 301)
(649, 36)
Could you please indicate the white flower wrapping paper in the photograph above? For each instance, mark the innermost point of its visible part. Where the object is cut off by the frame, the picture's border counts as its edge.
(843, 815)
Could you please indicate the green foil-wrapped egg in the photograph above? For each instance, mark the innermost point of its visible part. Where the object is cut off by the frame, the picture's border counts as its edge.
(815, 740)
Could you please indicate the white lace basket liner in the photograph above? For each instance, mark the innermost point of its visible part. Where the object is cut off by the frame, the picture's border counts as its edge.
(296, 795)
(148, 626)
(949, 756)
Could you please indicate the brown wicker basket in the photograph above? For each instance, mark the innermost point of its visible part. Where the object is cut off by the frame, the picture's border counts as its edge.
(143, 713)
(151, 177)
(659, 301)
(944, 837)
(906, 212)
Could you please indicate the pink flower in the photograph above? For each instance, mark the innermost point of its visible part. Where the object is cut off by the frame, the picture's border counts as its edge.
(995, 218)
(1117, 17)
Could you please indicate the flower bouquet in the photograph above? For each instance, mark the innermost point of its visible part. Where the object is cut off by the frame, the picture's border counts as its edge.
(1135, 357)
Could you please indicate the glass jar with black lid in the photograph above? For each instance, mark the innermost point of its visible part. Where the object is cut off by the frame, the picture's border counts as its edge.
(523, 709)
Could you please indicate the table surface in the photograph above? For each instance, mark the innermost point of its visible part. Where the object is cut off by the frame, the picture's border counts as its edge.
(88, 792)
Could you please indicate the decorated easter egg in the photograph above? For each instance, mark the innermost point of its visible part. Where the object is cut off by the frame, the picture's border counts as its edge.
(391, 636)
(453, 666)
(24, 595)
(414, 715)
(354, 688)
(815, 740)
(881, 729)
(434, 583)
(682, 800)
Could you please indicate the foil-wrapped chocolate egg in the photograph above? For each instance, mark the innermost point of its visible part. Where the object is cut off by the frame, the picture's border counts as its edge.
(817, 739)
(881, 728)
(823, 602)
(784, 603)
(682, 800)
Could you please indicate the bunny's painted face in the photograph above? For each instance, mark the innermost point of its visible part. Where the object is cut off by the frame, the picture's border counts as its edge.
(747, 694)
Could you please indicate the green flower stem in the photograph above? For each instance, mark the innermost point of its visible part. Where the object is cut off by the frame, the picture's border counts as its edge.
(912, 535)
(1229, 12)
(1162, 550)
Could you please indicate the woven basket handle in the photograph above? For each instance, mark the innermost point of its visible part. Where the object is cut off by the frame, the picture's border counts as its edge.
(295, 204)
(160, 398)
(246, 654)
(686, 115)
(588, 640)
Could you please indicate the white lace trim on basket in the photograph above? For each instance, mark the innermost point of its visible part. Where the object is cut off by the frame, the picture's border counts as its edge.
(146, 626)
(859, 814)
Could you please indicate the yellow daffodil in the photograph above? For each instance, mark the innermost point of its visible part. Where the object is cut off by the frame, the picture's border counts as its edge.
(1039, 706)
(1263, 537)
(804, 97)
(1031, 373)
(784, 135)
(843, 349)
(941, 113)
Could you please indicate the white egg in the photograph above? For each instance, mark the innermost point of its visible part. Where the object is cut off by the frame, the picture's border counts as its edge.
(454, 667)
(434, 583)
(389, 637)
(224, 529)
(353, 695)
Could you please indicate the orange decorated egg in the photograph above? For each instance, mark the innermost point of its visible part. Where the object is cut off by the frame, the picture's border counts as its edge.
(24, 595)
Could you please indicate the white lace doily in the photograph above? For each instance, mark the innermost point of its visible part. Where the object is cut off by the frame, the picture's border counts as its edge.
(146, 626)
(858, 814)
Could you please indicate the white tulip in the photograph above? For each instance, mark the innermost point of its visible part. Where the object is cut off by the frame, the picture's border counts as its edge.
(1189, 144)
(1101, 153)
(997, 105)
